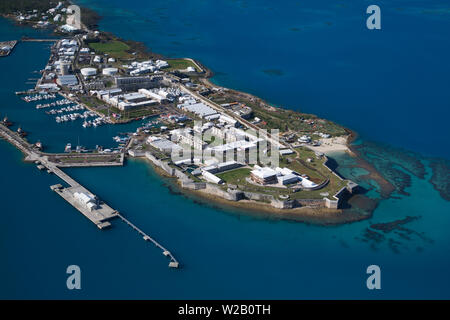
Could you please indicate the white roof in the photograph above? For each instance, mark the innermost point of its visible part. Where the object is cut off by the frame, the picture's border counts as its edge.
(83, 197)
(308, 183)
(284, 171)
(210, 177)
(286, 151)
(264, 173)
(289, 177)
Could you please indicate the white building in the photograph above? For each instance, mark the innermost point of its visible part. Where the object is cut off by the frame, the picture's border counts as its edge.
(110, 71)
(211, 178)
(88, 72)
(163, 145)
(152, 95)
(86, 200)
(288, 179)
(286, 152)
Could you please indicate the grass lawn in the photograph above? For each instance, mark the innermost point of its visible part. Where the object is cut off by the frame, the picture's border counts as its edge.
(235, 176)
(115, 48)
(181, 64)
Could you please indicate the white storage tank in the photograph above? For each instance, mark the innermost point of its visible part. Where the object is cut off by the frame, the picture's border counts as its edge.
(110, 71)
(88, 72)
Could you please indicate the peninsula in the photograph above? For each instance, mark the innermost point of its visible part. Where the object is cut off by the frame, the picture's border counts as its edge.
(229, 147)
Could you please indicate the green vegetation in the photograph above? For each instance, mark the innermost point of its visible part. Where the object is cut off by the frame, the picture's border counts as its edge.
(114, 48)
(277, 118)
(235, 176)
(138, 113)
(181, 64)
(89, 18)
(316, 171)
(127, 115)
(288, 120)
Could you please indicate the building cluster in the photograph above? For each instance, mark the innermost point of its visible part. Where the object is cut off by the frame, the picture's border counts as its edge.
(190, 104)
(164, 145)
(59, 69)
(139, 68)
(280, 176)
(142, 98)
(174, 118)
(45, 19)
(239, 109)
(187, 137)
(53, 16)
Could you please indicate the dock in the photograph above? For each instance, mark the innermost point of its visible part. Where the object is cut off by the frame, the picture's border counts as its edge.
(10, 45)
(98, 216)
(78, 196)
(38, 40)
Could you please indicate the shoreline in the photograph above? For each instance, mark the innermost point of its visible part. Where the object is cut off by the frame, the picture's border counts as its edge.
(316, 216)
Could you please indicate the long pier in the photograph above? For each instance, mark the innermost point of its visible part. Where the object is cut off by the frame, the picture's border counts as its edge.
(38, 40)
(173, 262)
(78, 196)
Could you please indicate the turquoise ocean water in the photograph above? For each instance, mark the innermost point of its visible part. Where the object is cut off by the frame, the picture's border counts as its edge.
(391, 87)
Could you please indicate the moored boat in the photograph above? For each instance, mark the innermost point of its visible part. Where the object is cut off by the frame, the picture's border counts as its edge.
(38, 145)
(21, 132)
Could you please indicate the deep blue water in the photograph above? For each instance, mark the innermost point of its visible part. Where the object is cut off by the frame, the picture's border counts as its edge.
(226, 254)
(390, 85)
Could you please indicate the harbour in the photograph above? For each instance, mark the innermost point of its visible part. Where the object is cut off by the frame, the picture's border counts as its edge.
(98, 212)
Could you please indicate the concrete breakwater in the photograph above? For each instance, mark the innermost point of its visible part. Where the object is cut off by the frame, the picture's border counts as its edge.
(234, 194)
